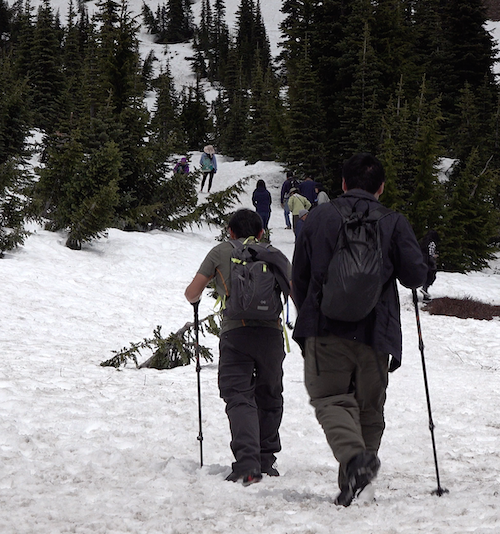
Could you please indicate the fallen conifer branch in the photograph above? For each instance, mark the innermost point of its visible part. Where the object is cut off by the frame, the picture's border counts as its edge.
(179, 348)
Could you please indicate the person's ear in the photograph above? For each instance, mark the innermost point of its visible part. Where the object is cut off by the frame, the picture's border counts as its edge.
(380, 190)
(344, 186)
(232, 234)
(261, 233)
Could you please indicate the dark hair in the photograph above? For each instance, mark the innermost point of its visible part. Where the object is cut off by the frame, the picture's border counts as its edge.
(363, 171)
(261, 183)
(245, 223)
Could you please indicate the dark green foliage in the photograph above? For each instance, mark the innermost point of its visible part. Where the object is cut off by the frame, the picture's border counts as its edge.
(306, 152)
(194, 118)
(118, 55)
(179, 348)
(5, 26)
(251, 39)
(214, 211)
(77, 191)
(14, 113)
(12, 206)
(470, 217)
(426, 200)
(45, 77)
(167, 134)
(259, 140)
(231, 110)
(172, 23)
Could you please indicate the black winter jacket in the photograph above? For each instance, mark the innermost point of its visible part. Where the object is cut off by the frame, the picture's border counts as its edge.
(402, 260)
(261, 199)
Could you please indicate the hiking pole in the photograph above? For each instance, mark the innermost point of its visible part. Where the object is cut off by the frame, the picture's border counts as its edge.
(198, 370)
(439, 491)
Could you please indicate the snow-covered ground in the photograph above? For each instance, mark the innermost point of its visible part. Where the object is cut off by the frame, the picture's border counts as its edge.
(88, 449)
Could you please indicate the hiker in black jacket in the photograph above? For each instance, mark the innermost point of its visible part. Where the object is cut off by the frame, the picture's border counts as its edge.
(347, 363)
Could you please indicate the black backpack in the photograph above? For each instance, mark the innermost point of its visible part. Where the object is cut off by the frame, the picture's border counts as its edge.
(259, 275)
(353, 283)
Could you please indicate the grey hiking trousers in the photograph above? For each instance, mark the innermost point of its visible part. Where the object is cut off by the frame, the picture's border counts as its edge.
(347, 381)
(251, 384)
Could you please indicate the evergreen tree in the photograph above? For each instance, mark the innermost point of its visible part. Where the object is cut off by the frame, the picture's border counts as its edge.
(5, 26)
(220, 41)
(77, 190)
(167, 134)
(426, 201)
(195, 118)
(14, 112)
(179, 21)
(251, 39)
(397, 152)
(12, 205)
(360, 130)
(118, 55)
(306, 155)
(231, 110)
(73, 57)
(471, 220)
(94, 196)
(46, 76)
(150, 21)
(259, 141)
(22, 37)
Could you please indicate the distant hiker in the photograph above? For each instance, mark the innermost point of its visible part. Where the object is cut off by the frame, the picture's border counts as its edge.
(251, 354)
(261, 199)
(208, 163)
(302, 219)
(285, 194)
(307, 189)
(321, 195)
(428, 246)
(182, 166)
(347, 363)
(297, 202)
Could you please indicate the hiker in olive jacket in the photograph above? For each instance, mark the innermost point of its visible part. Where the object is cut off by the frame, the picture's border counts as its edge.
(297, 202)
(346, 363)
(251, 358)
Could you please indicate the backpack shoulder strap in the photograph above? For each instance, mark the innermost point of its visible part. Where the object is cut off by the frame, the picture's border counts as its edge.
(278, 262)
(344, 210)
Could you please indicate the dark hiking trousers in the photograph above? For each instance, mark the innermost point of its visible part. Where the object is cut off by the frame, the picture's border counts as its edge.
(210, 174)
(347, 383)
(251, 384)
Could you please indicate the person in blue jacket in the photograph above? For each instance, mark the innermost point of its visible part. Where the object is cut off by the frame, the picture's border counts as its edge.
(208, 164)
(261, 199)
(307, 189)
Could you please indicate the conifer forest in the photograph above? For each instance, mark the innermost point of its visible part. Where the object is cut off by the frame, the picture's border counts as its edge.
(411, 81)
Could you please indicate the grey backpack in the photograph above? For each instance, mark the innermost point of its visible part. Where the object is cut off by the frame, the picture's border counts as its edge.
(258, 278)
(353, 283)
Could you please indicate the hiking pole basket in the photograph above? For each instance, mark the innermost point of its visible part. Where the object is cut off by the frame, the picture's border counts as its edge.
(198, 370)
(439, 491)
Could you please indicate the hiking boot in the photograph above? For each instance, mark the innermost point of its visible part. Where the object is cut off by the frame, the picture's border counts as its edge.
(233, 477)
(271, 471)
(361, 470)
(425, 293)
(252, 477)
